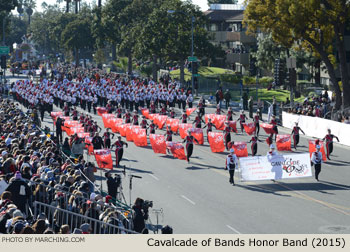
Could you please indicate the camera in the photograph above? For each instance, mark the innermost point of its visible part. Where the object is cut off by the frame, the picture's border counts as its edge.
(147, 204)
(118, 179)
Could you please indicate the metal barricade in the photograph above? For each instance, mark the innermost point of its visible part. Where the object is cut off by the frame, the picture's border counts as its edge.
(58, 217)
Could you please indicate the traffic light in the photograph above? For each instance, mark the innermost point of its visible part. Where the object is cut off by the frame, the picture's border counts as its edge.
(3, 61)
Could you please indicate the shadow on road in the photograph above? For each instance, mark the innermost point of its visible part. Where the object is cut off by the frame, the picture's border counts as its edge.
(338, 163)
(258, 188)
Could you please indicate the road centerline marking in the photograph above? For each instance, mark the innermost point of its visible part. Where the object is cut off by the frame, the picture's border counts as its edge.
(233, 229)
(183, 196)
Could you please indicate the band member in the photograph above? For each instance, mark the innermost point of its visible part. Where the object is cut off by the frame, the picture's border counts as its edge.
(329, 142)
(163, 110)
(201, 107)
(256, 120)
(75, 114)
(127, 116)
(144, 123)
(183, 117)
(119, 150)
(198, 121)
(66, 109)
(119, 111)
(227, 135)
(241, 120)
(172, 113)
(152, 108)
(254, 146)
(269, 140)
(135, 118)
(152, 127)
(316, 159)
(209, 127)
(295, 133)
(274, 123)
(229, 114)
(107, 138)
(168, 134)
(218, 110)
(189, 145)
(231, 164)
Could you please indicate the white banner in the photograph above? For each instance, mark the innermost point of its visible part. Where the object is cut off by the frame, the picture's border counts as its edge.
(278, 167)
(317, 127)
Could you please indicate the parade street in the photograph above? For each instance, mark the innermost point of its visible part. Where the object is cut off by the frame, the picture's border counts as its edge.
(197, 197)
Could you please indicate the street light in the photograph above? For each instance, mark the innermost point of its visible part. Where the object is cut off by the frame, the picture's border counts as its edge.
(192, 47)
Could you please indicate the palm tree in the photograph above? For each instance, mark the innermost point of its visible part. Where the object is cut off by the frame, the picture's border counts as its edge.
(67, 5)
(30, 6)
(76, 5)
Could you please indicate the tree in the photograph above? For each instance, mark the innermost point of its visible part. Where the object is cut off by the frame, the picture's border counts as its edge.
(30, 6)
(5, 8)
(291, 22)
(222, 2)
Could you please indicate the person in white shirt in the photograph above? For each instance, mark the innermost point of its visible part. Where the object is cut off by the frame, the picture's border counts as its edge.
(231, 164)
(316, 159)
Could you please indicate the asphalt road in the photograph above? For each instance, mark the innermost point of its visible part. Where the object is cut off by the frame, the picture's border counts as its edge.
(197, 198)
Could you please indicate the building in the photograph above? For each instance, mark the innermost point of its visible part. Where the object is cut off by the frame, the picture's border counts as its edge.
(225, 24)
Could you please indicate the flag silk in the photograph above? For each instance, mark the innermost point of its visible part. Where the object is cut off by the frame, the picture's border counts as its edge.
(56, 114)
(198, 135)
(267, 127)
(219, 122)
(122, 129)
(75, 130)
(189, 111)
(140, 137)
(216, 141)
(145, 112)
(183, 128)
(89, 146)
(240, 148)
(284, 143)
(104, 159)
(101, 110)
(158, 143)
(233, 125)
(161, 119)
(312, 148)
(83, 134)
(173, 124)
(209, 116)
(106, 118)
(154, 117)
(177, 149)
(62, 117)
(130, 132)
(249, 128)
(114, 124)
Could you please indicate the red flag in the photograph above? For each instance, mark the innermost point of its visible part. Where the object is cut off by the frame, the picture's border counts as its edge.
(219, 121)
(197, 133)
(177, 149)
(83, 134)
(207, 116)
(62, 117)
(101, 110)
(189, 111)
(161, 119)
(130, 132)
(122, 129)
(240, 148)
(216, 141)
(106, 120)
(249, 128)
(154, 117)
(140, 138)
(158, 143)
(284, 143)
(89, 146)
(233, 125)
(312, 148)
(56, 114)
(268, 128)
(145, 112)
(173, 124)
(104, 158)
(74, 130)
(183, 127)
(114, 124)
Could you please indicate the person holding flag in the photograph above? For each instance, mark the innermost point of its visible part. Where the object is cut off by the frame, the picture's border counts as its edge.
(229, 114)
(256, 120)
(135, 118)
(119, 111)
(231, 164)
(107, 138)
(189, 144)
(227, 135)
(254, 146)
(127, 116)
(119, 151)
(152, 128)
(329, 142)
(269, 140)
(183, 117)
(198, 121)
(144, 123)
(295, 133)
(241, 119)
(218, 110)
(75, 114)
(316, 159)
(172, 113)
(168, 134)
(209, 127)
(274, 123)
(201, 107)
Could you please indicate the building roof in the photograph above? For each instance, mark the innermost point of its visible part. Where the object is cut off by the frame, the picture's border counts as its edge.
(224, 15)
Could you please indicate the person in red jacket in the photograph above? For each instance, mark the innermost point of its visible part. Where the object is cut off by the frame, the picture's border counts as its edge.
(295, 133)
(329, 142)
(241, 119)
(119, 151)
(189, 145)
(254, 146)
(209, 127)
(227, 135)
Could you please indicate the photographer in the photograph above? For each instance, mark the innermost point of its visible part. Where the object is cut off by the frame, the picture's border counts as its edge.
(78, 148)
(113, 184)
(140, 214)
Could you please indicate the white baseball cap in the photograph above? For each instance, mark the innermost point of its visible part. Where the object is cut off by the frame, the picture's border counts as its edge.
(318, 147)
(272, 146)
(232, 151)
